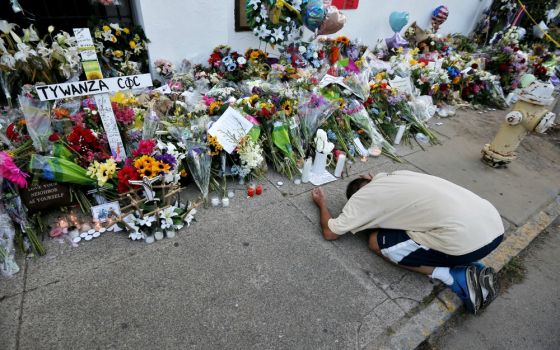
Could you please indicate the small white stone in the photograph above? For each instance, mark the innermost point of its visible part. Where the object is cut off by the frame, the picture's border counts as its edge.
(280, 183)
(297, 181)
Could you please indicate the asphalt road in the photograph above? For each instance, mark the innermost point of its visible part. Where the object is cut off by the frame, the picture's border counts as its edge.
(526, 315)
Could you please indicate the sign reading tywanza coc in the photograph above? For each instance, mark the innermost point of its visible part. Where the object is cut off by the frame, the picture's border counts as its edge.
(93, 87)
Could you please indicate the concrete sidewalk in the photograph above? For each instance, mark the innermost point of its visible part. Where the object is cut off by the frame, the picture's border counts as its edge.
(258, 275)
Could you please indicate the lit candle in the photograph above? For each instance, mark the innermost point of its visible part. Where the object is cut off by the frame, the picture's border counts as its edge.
(259, 190)
(62, 223)
(250, 191)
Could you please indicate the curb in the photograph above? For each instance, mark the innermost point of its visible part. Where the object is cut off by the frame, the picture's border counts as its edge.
(410, 332)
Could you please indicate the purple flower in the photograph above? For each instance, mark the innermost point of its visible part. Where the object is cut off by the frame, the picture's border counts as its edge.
(167, 158)
(508, 50)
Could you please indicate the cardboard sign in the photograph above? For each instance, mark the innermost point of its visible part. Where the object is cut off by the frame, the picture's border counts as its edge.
(346, 4)
(93, 87)
(46, 194)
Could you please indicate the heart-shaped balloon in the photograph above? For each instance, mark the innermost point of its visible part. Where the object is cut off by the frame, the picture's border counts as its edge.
(398, 20)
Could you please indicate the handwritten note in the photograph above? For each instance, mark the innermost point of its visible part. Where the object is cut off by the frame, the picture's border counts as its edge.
(402, 85)
(105, 110)
(230, 128)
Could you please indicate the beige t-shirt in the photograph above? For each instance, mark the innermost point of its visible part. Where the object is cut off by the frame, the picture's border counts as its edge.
(435, 212)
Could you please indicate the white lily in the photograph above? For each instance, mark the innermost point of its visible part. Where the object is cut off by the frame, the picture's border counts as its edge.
(166, 217)
(6, 27)
(30, 34)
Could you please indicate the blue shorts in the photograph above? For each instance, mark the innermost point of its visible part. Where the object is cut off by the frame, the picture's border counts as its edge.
(398, 247)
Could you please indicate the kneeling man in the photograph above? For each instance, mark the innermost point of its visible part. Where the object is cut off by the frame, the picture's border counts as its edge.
(425, 224)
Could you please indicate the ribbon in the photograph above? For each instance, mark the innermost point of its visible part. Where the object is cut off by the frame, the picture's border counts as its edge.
(524, 8)
(277, 11)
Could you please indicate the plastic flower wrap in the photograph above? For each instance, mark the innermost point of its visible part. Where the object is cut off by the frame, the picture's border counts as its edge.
(38, 121)
(358, 114)
(313, 110)
(8, 265)
(60, 170)
(199, 163)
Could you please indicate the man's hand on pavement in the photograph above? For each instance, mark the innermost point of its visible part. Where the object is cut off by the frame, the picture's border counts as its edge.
(318, 196)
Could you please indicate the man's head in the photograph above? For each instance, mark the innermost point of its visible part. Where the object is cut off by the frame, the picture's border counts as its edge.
(355, 186)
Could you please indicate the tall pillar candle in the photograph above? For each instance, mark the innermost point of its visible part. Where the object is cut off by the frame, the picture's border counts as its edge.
(400, 134)
(306, 173)
(340, 165)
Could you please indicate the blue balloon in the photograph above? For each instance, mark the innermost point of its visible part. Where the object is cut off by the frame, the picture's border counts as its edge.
(398, 20)
(314, 14)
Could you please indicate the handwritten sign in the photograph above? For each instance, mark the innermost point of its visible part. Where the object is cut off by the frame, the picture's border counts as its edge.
(230, 128)
(92, 87)
(402, 85)
(105, 110)
(45, 195)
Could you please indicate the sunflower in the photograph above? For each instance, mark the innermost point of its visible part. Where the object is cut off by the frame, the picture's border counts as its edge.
(287, 107)
(143, 163)
(160, 167)
(215, 147)
(215, 107)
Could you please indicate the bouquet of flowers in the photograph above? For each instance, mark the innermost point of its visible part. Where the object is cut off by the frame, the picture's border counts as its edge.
(124, 48)
(227, 64)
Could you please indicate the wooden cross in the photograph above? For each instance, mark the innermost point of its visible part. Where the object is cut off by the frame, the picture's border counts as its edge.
(97, 87)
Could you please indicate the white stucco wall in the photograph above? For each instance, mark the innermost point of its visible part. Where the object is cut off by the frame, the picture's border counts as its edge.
(192, 28)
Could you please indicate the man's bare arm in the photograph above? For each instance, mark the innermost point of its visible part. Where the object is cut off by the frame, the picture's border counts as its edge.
(320, 200)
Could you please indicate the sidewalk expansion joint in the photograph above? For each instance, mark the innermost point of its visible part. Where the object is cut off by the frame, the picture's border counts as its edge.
(20, 316)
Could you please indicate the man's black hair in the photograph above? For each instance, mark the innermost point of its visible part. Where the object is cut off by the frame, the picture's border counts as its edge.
(355, 185)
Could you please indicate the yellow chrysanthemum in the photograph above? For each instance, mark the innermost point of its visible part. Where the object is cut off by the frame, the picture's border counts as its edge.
(132, 44)
(113, 39)
(126, 30)
(118, 53)
(413, 62)
(106, 28)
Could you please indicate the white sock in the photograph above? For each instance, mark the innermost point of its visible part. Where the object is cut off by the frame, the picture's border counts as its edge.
(442, 274)
(484, 292)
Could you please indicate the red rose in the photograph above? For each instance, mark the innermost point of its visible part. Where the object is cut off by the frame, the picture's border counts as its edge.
(54, 137)
(125, 174)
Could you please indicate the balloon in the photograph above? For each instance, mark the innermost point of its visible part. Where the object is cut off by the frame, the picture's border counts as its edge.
(314, 14)
(398, 20)
(334, 21)
(396, 41)
(439, 16)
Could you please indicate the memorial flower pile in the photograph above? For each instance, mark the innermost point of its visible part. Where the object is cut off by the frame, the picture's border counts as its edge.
(230, 118)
